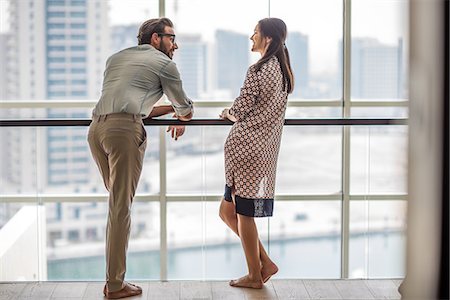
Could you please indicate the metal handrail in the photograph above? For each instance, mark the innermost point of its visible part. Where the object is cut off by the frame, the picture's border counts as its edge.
(205, 122)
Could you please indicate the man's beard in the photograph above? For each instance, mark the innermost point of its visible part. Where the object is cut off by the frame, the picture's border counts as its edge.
(163, 49)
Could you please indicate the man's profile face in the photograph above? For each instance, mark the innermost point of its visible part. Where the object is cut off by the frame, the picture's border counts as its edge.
(167, 43)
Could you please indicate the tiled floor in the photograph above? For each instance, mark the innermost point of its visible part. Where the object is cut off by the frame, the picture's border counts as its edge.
(274, 289)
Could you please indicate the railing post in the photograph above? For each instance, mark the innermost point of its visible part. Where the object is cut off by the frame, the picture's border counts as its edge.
(162, 204)
(346, 86)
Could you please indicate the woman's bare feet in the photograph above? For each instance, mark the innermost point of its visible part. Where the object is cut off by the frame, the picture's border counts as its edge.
(247, 282)
(268, 270)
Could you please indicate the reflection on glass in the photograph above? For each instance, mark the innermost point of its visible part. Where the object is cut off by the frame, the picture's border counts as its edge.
(377, 239)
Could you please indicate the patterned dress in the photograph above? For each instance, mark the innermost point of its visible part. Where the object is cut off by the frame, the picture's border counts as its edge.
(252, 146)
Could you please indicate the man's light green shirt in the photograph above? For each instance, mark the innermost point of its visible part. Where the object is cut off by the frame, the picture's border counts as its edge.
(136, 78)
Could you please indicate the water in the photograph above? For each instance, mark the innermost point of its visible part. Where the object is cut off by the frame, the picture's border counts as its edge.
(374, 255)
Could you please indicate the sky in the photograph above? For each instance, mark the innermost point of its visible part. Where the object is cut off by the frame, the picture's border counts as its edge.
(321, 20)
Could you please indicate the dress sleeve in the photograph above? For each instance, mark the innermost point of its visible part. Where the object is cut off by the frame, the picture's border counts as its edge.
(172, 87)
(248, 97)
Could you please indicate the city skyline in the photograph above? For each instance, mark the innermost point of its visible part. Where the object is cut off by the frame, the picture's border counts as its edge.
(304, 16)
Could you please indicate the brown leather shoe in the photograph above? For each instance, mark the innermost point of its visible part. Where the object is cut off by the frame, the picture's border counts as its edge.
(127, 291)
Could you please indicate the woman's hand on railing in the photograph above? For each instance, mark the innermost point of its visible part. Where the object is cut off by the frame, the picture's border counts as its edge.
(226, 115)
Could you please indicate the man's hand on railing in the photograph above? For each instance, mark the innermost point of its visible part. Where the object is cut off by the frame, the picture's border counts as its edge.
(176, 131)
(185, 118)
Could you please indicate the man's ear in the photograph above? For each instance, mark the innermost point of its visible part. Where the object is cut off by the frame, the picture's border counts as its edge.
(154, 39)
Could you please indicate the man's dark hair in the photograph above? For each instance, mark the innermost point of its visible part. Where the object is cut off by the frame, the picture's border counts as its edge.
(149, 27)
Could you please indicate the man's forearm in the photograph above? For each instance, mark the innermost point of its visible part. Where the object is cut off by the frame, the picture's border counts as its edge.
(186, 117)
(162, 110)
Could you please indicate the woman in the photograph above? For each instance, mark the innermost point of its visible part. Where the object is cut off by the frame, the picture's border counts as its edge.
(251, 149)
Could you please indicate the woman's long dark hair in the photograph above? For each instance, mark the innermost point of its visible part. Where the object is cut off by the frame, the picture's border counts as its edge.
(276, 29)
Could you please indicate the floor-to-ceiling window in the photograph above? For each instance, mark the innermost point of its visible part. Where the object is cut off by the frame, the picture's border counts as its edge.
(341, 190)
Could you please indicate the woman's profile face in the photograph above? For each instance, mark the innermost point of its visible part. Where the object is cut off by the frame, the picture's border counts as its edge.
(259, 43)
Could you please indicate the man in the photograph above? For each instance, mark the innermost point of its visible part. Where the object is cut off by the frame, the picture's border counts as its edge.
(134, 80)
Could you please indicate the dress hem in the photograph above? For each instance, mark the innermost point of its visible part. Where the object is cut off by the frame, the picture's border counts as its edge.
(258, 208)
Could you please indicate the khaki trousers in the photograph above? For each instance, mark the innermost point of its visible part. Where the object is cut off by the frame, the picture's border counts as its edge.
(118, 142)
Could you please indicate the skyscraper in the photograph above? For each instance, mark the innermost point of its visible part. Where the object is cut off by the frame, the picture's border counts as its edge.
(232, 60)
(376, 69)
(297, 44)
(123, 36)
(191, 61)
(62, 45)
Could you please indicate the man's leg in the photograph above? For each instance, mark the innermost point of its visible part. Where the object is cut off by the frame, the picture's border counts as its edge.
(125, 158)
(99, 155)
(227, 213)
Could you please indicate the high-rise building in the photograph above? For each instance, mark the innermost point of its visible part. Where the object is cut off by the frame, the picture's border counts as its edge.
(123, 36)
(4, 66)
(297, 44)
(376, 69)
(191, 62)
(3, 96)
(232, 60)
(62, 45)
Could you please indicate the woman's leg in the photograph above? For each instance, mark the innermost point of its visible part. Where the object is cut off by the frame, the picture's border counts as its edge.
(228, 214)
(249, 239)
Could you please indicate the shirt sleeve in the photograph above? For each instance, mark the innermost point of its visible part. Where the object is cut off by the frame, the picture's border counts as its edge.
(172, 87)
(248, 97)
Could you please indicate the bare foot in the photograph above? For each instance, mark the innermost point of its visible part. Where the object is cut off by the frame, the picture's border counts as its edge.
(268, 271)
(246, 282)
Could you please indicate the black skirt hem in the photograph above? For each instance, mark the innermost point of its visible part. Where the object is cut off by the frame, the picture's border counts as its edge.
(257, 208)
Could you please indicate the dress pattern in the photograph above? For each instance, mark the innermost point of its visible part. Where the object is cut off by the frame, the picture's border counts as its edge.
(252, 146)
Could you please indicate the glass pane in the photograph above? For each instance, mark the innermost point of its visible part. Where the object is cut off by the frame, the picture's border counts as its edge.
(305, 239)
(195, 162)
(76, 241)
(377, 239)
(214, 53)
(57, 160)
(310, 160)
(21, 256)
(379, 49)
(313, 112)
(379, 160)
(201, 246)
(379, 112)
(20, 154)
(68, 44)
(185, 240)
(126, 17)
(313, 45)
